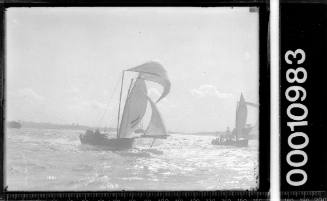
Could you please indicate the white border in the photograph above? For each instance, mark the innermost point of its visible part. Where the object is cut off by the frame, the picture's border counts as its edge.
(274, 105)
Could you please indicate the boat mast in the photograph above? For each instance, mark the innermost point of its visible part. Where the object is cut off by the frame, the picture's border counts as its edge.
(121, 90)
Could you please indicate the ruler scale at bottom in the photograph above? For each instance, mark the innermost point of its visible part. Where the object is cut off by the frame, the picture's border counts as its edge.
(139, 196)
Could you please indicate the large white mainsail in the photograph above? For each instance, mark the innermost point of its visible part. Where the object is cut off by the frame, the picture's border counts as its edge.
(241, 117)
(156, 126)
(134, 109)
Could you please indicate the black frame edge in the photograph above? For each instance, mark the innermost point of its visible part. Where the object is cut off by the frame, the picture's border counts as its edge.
(264, 86)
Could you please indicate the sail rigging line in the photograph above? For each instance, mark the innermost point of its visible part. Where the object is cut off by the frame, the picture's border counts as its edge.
(109, 103)
(254, 105)
(130, 87)
(154, 139)
(120, 95)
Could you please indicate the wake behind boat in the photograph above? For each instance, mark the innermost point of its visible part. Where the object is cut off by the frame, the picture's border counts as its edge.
(134, 110)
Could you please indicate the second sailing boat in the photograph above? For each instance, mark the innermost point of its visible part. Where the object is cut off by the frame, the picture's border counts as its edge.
(239, 135)
(134, 110)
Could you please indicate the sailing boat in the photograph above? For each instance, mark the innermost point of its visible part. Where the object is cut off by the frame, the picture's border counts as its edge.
(134, 110)
(239, 135)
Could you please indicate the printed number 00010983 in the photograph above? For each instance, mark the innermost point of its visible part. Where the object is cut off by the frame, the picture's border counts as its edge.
(296, 94)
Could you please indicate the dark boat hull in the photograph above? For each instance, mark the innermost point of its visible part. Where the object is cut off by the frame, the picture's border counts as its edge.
(100, 140)
(231, 142)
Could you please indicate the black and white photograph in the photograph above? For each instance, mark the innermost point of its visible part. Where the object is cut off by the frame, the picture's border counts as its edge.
(132, 98)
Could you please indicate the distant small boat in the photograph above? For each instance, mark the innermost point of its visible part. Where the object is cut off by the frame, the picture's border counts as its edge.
(239, 136)
(231, 141)
(14, 124)
(134, 110)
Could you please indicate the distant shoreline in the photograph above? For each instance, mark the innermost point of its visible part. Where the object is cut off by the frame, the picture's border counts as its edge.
(198, 133)
(73, 126)
(47, 125)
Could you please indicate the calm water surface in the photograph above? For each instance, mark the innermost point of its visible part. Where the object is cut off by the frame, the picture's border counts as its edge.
(50, 159)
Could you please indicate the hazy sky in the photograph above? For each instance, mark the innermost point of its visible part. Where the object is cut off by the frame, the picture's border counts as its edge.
(64, 64)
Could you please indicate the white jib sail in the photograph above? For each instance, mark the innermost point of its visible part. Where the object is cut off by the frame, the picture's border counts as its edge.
(134, 109)
(156, 126)
(155, 72)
